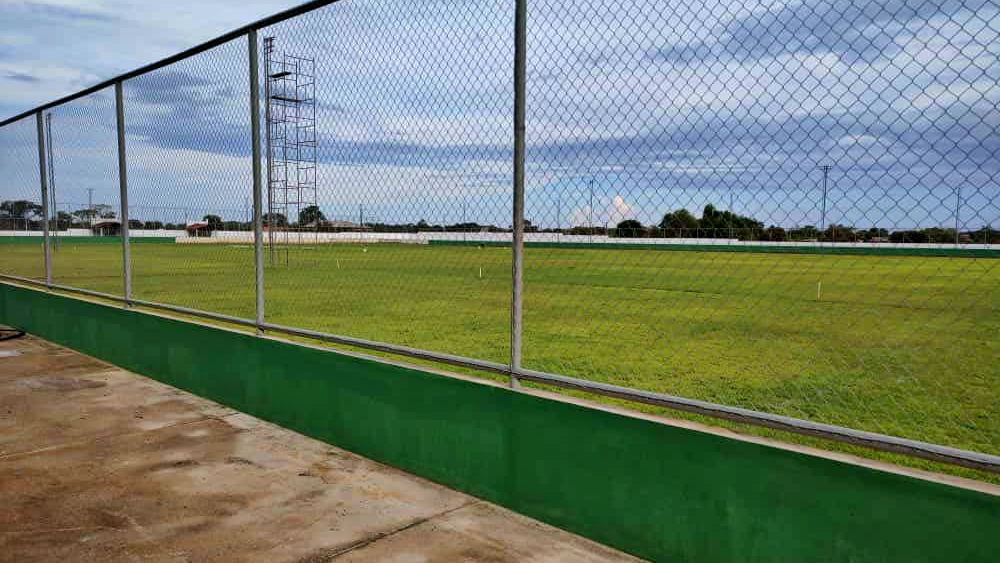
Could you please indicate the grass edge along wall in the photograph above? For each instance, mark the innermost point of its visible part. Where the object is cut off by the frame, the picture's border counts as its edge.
(657, 491)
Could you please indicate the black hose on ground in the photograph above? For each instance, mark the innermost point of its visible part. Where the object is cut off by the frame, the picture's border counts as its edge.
(10, 333)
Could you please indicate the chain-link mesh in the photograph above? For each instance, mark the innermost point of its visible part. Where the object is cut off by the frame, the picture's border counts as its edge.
(727, 198)
(413, 121)
(84, 193)
(786, 207)
(189, 173)
(21, 214)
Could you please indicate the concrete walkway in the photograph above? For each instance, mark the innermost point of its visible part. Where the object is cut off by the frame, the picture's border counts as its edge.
(99, 464)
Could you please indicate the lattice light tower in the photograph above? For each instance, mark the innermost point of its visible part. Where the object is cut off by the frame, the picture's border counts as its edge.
(290, 114)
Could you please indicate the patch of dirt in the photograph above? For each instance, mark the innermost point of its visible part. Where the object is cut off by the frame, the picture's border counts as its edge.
(179, 464)
(233, 460)
(320, 555)
(61, 384)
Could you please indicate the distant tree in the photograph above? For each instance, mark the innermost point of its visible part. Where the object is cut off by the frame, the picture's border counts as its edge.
(914, 236)
(939, 235)
(807, 232)
(908, 236)
(214, 222)
(311, 215)
(720, 224)
(84, 215)
(275, 219)
(152, 225)
(20, 209)
(773, 234)
(63, 220)
(422, 225)
(986, 235)
(874, 233)
(840, 233)
(89, 214)
(629, 228)
(584, 230)
(463, 228)
(679, 224)
(134, 224)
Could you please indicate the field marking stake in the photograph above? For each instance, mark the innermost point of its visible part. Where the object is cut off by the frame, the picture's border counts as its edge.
(819, 290)
(480, 272)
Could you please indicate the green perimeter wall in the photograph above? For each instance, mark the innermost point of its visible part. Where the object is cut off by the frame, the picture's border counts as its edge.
(38, 239)
(760, 248)
(660, 492)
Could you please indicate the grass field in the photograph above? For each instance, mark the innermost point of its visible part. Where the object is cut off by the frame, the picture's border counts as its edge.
(907, 346)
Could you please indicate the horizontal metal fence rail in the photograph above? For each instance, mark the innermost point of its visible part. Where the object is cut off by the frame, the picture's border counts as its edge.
(880, 442)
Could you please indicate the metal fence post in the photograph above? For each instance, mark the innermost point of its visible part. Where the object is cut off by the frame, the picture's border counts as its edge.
(958, 213)
(258, 233)
(123, 194)
(517, 302)
(45, 199)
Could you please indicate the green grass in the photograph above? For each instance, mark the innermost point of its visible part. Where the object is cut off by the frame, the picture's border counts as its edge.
(903, 345)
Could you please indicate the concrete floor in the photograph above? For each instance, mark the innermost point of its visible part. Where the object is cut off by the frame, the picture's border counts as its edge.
(99, 464)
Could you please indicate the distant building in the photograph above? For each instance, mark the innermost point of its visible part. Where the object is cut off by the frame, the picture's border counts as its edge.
(335, 225)
(198, 229)
(106, 227)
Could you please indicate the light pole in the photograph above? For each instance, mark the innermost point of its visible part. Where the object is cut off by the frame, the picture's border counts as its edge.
(590, 212)
(826, 173)
(559, 215)
(90, 207)
(958, 206)
(730, 214)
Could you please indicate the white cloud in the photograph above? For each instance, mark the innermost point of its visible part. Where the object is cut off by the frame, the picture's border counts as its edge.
(616, 210)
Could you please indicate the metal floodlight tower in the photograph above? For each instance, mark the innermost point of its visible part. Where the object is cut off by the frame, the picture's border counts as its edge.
(290, 115)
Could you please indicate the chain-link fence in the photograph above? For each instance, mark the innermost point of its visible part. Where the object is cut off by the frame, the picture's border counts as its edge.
(84, 204)
(780, 214)
(21, 214)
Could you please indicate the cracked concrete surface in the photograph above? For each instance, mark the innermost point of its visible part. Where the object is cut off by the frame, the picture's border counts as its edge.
(99, 464)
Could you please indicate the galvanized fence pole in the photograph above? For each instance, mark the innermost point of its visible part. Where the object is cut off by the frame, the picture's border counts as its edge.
(45, 199)
(258, 233)
(517, 301)
(123, 194)
(958, 213)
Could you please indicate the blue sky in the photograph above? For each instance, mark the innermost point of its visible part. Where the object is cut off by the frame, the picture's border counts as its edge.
(652, 105)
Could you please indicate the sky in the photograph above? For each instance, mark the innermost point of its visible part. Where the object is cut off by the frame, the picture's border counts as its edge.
(634, 108)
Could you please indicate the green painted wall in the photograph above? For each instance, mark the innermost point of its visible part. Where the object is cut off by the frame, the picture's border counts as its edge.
(667, 494)
(842, 250)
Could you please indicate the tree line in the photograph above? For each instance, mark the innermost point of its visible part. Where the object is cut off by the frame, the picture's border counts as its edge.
(715, 223)
(681, 223)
